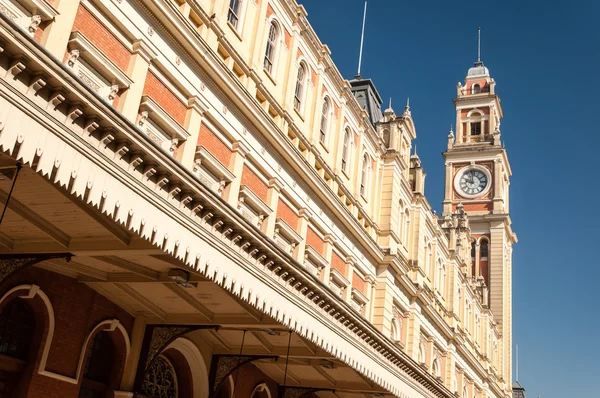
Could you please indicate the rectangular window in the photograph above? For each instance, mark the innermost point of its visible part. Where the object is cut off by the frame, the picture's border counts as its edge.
(476, 128)
(233, 15)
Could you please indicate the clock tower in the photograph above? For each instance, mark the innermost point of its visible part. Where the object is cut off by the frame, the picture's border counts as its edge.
(478, 177)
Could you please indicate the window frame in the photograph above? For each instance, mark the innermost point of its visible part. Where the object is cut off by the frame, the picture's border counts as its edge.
(235, 13)
(346, 149)
(325, 121)
(271, 56)
(301, 86)
(364, 177)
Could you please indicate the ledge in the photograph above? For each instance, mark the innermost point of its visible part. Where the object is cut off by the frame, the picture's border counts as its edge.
(211, 163)
(284, 229)
(337, 277)
(315, 257)
(359, 296)
(42, 8)
(160, 116)
(93, 55)
(254, 201)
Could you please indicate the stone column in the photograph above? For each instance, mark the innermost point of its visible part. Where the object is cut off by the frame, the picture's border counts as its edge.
(305, 217)
(58, 33)
(193, 120)
(370, 281)
(414, 330)
(351, 263)
(498, 199)
(236, 165)
(328, 255)
(275, 186)
(129, 102)
(137, 338)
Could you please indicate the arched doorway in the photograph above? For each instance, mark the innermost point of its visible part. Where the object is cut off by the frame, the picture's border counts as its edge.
(17, 327)
(98, 368)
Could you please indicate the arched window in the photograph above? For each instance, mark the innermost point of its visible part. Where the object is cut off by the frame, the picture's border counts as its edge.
(442, 286)
(406, 227)
(324, 121)
(346, 150)
(271, 49)
(386, 137)
(422, 354)
(160, 380)
(233, 16)
(440, 271)
(465, 392)
(17, 324)
(396, 330)
(427, 267)
(300, 87)
(98, 368)
(261, 391)
(364, 178)
(476, 89)
(435, 368)
(483, 248)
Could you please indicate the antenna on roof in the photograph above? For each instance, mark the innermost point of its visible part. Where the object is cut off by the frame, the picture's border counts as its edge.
(517, 362)
(362, 39)
(478, 44)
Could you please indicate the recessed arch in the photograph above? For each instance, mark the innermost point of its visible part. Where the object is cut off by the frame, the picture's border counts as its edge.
(261, 391)
(32, 292)
(197, 365)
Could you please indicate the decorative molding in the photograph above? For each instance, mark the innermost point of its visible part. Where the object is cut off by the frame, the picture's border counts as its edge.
(100, 61)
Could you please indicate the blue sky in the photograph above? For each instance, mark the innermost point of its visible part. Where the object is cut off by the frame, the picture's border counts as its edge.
(545, 58)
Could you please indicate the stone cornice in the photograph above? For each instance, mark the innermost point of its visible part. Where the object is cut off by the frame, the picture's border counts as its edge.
(367, 339)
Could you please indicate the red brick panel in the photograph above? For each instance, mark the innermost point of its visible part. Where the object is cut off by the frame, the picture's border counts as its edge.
(338, 263)
(250, 179)
(214, 145)
(102, 38)
(358, 283)
(288, 215)
(165, 98)
(248, 377)
(313, 240)
(77, 310)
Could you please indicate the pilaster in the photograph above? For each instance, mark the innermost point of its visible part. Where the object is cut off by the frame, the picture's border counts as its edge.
(131, 365)
(129, 102)
(236, 165)
(273, 193)
(195, 114)
(59, 32)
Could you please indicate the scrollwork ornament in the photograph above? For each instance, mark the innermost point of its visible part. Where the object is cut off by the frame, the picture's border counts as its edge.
(73, 57)
(35, 22)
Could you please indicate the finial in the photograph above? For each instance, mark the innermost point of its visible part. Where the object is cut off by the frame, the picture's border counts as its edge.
(478, 44)
(362, 39)
(451, 133)
(407, 103)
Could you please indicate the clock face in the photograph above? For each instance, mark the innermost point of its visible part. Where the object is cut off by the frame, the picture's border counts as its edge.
(473, 182)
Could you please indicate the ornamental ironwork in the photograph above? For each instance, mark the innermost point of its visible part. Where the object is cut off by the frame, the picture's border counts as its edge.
(11, 263)
(160, 380)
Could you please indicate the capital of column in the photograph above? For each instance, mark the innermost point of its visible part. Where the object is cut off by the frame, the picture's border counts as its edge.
(276, 184)
(198, 104)
(143, 49)
(240, 147)
(305, 213)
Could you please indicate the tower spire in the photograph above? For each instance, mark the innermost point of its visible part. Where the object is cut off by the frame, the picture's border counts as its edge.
(478, 44)
(362, 39)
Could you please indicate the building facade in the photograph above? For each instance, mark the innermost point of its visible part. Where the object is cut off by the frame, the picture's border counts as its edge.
(199, 205)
